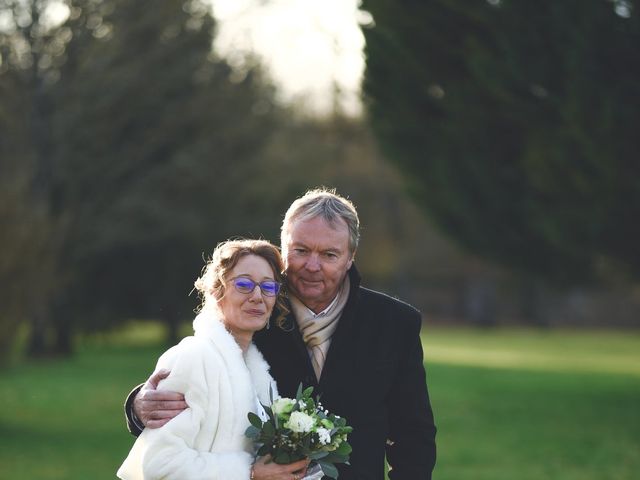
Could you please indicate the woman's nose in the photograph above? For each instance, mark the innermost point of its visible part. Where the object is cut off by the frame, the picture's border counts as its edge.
(256, 294)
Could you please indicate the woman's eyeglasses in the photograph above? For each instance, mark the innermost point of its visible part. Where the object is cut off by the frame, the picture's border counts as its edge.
(269, 288)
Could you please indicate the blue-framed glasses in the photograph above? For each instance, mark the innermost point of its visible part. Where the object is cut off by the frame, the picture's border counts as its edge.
(269, 288)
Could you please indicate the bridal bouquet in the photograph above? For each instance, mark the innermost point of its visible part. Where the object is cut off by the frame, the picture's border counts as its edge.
(301, 428)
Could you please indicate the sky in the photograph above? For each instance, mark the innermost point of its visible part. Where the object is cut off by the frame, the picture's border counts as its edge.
(313, 49)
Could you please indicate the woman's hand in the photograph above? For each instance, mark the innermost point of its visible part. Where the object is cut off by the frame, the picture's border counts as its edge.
(265, 469)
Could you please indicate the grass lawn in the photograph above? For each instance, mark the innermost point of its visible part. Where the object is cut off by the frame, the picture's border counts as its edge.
(509, 405)
(519, 405)
(63, 419)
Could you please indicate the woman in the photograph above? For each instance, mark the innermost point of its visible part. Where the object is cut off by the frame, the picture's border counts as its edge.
(222, 375)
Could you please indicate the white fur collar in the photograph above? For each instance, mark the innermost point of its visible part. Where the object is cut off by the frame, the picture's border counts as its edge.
(259, 370)
(208, 324)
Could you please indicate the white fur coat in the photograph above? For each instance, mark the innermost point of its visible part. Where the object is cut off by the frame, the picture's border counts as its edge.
(207, 440)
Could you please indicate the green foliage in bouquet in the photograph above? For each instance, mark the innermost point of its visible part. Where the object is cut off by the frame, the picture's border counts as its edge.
(301, 428)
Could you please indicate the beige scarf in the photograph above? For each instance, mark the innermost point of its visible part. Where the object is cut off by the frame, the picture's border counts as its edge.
(317, 331)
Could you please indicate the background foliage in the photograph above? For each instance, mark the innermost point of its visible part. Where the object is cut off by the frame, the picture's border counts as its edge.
(128, 149)
(515, 125)
(128, 126)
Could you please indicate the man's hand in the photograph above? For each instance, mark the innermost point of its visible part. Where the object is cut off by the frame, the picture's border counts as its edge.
(155, 407)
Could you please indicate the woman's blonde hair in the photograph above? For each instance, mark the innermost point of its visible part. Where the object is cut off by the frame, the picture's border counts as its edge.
(211, 283)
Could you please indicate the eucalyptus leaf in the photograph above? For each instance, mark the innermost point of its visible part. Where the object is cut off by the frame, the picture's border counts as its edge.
(334, 457)
(269, 412)
(344, 449)
(318, 455)
(328, 469)
(299, 392)
(269, 429)
(254, 420)
(331, 457)
(252, 432)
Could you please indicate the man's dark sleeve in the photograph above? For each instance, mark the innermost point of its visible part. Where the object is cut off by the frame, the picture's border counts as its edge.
(411, 447)
(134, 425)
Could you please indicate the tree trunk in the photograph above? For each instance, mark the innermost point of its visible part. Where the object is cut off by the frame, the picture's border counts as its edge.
(37, 346)
(63, 324)
(479, 302)
(532, 303)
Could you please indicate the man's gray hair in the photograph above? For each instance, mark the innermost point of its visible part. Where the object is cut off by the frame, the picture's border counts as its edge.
(325, 203)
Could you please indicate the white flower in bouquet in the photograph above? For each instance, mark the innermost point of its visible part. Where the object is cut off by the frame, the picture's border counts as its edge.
(302, 428)
(324, 436)
(283, 406)
(300, 422)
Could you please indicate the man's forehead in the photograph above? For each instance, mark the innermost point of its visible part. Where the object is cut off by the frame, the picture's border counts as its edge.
(319, 230)
(337, 225)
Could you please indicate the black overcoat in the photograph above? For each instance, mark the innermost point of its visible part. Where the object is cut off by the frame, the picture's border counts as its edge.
(373, 376)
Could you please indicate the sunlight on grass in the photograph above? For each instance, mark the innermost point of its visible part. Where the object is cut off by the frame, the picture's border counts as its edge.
(137, 332)
(557, 350)
(134, 332)
(509, 405)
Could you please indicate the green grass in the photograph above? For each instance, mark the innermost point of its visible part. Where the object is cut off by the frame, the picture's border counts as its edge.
(519, 404)
(509, 405)
(63, 419)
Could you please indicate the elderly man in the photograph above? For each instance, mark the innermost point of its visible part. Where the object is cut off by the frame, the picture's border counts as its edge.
(358, 348)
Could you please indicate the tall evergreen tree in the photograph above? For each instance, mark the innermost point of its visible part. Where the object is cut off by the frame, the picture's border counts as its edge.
(515, 123)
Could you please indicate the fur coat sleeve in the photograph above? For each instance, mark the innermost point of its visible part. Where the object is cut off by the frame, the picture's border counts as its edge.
(207, 440)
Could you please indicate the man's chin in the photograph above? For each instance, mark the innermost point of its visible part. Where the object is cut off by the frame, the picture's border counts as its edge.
(309, 292)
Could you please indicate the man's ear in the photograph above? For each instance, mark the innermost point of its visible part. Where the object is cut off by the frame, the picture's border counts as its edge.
(353, 257)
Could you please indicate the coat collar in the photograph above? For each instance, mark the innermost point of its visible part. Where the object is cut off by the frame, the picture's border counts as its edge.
(354, 276)
(208, 325)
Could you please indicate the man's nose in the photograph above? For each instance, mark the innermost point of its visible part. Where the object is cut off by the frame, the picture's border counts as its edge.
(313, 263)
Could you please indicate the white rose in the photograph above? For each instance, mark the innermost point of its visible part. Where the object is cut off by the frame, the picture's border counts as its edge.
(282, 406)
(300, 422)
